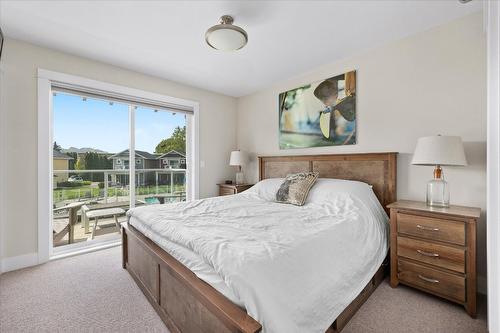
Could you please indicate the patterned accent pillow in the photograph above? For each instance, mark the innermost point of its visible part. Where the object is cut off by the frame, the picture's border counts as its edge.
(295, 188)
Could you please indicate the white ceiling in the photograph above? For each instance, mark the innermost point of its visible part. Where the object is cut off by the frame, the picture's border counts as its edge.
(166, 38)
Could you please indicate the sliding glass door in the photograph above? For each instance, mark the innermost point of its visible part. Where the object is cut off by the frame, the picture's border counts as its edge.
(160, 147)
(110, 155)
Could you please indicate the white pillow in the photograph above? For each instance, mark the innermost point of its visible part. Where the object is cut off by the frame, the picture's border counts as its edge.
(267, 188)
(326, 188)
(323, 189)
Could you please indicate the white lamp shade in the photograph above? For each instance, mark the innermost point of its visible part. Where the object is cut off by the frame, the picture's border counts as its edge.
(238, 158)
(439, 150)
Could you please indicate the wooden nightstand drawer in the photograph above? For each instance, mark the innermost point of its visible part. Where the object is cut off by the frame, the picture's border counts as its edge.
(448, 285)
(449, 257)
(226, 191)
(432, 228)
(229, 189)
(434, 249)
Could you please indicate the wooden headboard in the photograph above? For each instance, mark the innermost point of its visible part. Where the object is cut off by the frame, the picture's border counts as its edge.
(376, 169)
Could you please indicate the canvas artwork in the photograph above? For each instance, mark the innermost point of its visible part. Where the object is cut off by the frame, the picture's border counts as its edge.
(319, 114)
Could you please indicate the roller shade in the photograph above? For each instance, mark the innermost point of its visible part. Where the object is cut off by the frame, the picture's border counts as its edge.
(119, 98)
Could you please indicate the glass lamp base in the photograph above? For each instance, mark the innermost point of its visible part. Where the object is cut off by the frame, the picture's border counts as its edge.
(240, 179)
(438, 193)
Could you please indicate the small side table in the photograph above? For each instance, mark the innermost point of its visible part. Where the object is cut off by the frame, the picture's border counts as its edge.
(229, 189)
(434, 249)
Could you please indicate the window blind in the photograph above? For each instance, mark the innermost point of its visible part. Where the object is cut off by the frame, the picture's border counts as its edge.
(119, 98)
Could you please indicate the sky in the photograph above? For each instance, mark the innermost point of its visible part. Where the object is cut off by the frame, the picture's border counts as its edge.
(97, 124)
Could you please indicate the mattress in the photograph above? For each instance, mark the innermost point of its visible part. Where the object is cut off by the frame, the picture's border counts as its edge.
(293, 269)
(188, 258)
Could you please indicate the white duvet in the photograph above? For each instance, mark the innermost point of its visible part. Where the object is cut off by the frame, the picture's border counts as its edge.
(294, 269)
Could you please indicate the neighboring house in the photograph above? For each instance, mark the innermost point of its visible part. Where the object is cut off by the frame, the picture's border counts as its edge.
(143, 160)
(60, 162)
(147, 161)
(173, 159)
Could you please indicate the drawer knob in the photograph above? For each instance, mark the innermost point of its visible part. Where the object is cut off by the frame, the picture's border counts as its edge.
(428, 254)
(426, 279)
(423, 227)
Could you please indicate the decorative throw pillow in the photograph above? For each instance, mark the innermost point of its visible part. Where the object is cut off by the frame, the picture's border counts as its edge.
(295, 188)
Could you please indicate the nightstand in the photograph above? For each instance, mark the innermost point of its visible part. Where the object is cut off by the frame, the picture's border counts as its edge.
(434, 249)
(228, 189)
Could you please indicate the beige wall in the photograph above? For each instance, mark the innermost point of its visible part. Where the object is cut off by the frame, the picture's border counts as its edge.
(430, 83)
(19, 139)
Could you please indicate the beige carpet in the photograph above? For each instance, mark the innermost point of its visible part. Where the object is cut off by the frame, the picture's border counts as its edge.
(92, 293)
(407, 310)
(86, 293)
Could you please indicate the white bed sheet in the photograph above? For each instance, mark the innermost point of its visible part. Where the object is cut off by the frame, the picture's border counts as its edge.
(188, 258)
(294, 269)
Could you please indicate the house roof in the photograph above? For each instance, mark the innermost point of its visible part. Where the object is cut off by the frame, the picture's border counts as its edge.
(57, 155)
(138, 153)
(172, 153)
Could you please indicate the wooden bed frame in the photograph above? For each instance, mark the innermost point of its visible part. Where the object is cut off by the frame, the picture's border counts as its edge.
(186, 303)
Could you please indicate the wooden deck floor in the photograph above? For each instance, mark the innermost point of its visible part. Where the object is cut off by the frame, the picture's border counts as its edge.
(106, 229)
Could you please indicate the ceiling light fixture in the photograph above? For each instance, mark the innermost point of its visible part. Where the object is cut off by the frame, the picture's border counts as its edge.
(225, 36)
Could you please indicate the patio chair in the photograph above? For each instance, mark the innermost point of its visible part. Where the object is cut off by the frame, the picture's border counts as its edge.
(72, 209)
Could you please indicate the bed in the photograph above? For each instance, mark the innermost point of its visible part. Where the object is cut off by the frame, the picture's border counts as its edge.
(233, 289)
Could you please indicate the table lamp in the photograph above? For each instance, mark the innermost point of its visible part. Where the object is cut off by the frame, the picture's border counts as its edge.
(238, 158)
(439, 151)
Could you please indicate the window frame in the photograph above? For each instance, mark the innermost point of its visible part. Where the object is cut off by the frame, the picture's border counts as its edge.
(45, 81)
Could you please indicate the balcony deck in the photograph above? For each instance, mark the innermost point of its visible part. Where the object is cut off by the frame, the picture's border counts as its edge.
(106, 230)
(80, 197)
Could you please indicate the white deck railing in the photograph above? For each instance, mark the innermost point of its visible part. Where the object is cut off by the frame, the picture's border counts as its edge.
(113, 172)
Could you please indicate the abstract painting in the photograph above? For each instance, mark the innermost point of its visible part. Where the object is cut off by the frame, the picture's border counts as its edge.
(319, 114)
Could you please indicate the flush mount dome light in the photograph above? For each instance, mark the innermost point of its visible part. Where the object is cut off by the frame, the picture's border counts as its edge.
(225, 36)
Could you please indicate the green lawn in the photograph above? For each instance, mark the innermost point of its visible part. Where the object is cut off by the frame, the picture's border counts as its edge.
(88, 192)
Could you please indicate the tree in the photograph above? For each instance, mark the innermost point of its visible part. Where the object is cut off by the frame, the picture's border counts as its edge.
(92, 161)
(56, 147)
(177, 141)
(80, 164)
(95, 161)
(71, 164)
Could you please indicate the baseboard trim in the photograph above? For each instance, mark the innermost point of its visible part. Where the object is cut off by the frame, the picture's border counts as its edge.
(18, 262)
(31, 259)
